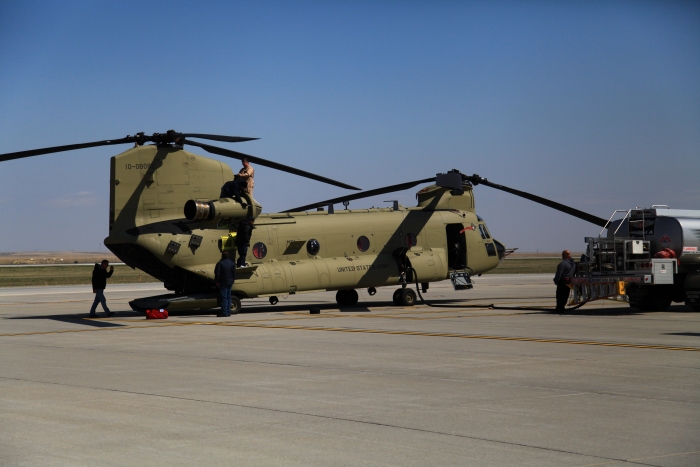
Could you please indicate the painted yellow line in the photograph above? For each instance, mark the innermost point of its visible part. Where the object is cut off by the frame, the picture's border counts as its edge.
(249, 324)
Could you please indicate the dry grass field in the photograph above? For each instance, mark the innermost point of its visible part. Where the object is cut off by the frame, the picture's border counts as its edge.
(55, 257)
(66, 275)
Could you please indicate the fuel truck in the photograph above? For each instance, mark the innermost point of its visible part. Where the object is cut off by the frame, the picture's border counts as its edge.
(651, 257)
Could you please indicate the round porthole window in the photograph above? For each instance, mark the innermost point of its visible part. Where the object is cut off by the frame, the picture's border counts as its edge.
(363, 243)
(313, 247)
(259, 250)
(411, 240)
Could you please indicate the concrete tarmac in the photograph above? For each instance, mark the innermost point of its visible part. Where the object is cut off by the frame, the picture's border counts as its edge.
(483, 378)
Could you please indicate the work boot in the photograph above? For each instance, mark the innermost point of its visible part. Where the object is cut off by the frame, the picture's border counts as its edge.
(92, 315)
(110, 314)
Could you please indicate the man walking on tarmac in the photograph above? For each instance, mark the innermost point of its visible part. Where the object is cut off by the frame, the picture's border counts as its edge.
(99, 283)
(224, 276)
(565, 271)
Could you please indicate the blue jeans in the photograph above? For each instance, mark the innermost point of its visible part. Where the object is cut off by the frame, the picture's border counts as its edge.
(99, 298)
(225, 294)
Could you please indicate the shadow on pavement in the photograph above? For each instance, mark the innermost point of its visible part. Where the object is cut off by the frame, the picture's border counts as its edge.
(81, 319)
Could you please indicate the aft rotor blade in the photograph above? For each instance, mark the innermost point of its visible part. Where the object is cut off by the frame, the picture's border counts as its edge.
(363, 194)
(599, 221)
(226, 139)
(70, 147)
(266, 163)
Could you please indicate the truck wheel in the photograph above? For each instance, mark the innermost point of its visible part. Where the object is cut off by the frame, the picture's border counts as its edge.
(408, 297)
(235, 305)
(662, 303)
(652, 304)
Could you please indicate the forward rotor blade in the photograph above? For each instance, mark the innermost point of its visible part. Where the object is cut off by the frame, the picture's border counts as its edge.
(70, 147)
(363, 194)
(266, 163)
(226, 139)
(599, 221)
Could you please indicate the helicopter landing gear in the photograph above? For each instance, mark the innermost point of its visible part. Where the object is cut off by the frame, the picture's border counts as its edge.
(404, 297)
(346, 297)
(397, 297)
(371, 291)
(273, 300)
(235, 305)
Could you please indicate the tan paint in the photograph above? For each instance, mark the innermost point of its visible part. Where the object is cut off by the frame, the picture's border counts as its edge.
(150, 187)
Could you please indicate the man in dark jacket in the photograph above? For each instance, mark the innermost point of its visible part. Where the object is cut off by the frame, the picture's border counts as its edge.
(245, 231)
(99, 283)
(224, 276)
(565, 271)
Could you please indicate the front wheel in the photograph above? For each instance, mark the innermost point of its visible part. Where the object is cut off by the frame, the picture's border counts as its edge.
(405, 297)
(408, 297)
(397, 297)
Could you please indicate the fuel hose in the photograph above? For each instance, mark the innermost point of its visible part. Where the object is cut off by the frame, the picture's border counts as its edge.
(491, 306)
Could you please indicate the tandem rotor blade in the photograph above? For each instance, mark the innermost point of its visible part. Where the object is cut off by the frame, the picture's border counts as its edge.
(599, 221)
(363, 194)
(226, 139)
(266, 163)
(70, 147)
(169, 137)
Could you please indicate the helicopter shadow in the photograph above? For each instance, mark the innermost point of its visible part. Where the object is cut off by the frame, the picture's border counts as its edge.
(80, 319)
(364, 307)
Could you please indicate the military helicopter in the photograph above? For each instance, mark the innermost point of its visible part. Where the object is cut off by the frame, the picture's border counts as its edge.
(166, 218)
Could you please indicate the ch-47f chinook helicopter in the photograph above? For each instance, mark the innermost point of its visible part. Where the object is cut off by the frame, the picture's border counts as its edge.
(166, 218)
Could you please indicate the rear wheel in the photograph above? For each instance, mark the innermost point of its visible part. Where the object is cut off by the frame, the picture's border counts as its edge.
(346, 297)
(651, 303)
(341, 296)
(235, 305)
(353, 297)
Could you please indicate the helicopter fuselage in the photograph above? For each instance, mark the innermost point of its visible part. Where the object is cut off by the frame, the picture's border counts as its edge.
(289, 252)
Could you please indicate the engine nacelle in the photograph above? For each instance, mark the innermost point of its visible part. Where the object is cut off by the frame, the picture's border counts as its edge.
(224, 208)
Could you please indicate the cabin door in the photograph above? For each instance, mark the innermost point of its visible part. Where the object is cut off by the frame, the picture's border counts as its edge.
(456, 246)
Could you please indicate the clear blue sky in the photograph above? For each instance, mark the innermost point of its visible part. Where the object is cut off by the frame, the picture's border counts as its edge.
(594, 104)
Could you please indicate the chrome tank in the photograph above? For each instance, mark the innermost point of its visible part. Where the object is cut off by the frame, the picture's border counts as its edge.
(676, 229)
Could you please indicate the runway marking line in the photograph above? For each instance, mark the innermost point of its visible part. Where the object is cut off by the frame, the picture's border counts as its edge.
(372, 331)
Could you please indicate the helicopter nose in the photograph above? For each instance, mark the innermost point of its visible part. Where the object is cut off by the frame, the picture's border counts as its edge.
(500, 249)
